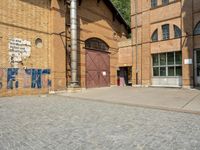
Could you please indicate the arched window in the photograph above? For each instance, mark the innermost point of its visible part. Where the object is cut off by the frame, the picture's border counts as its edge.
(197, 29)
(38, 43)
(154, 3)
(165, 2)
(165, 31)
(177, 32)
(154, 36)
(96, 44)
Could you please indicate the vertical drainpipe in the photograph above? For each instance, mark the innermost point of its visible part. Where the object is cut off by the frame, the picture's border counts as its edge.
(136, 41)
(194, 56)
(74, 44)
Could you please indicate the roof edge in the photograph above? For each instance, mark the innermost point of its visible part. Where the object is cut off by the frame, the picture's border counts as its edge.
(118, 14)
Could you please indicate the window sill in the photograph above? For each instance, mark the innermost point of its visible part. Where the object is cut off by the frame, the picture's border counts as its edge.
(167, 77)
(165, 40)
(163, 5)
(166, 86)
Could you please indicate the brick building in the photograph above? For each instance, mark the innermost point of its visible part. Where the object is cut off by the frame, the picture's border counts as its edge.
(166, 42)
(35, 45)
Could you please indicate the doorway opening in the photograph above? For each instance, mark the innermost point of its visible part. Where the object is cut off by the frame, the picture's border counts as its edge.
(197, 68)
(124, 76)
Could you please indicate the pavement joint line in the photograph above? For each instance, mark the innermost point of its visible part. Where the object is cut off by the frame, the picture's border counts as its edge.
(138, 105)
(190, 101)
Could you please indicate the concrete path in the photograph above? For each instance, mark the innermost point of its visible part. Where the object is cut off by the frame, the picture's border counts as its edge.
(65, 123)
(187, 100)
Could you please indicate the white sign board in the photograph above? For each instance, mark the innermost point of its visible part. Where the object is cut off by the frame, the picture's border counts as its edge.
(19, 49)
(188, 61)
(104, 73)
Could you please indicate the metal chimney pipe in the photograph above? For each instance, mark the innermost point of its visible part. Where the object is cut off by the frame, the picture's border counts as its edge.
(74, 43)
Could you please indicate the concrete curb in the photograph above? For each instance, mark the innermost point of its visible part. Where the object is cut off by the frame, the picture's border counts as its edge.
(137, 105)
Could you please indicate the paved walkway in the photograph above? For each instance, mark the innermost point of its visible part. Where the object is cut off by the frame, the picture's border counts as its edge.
(186, 100)
(63, 123)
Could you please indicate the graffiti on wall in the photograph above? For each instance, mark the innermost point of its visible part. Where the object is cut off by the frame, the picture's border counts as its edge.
(39, 78)
(26, 78)
(11, 78)
(27, 74)
(45, 81)
(19, 49)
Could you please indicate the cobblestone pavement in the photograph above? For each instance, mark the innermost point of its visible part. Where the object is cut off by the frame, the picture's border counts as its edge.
(62, 123)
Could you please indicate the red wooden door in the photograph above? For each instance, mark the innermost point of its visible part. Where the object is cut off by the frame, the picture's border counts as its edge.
(97, 69)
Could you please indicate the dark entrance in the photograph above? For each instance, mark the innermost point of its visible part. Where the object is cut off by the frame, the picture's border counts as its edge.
(197, 68)
(97, 64)
(124, 75)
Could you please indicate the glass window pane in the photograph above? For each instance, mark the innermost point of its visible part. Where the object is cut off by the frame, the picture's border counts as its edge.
(198, 63)
(96, 44)
(177, 32)
(178, 71)
(198, 71)
(171, 71)
(153, 3)
(154, 37)
(198, 57)
(156, 71)
(178, 58)
(163, 71)
(165, 30)
(197, 29)
(163, 59)
(165, 2)
(155, 60)
(170, 58)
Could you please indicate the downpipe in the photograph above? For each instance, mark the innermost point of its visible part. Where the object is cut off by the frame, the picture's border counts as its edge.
(74, 44)
(136, 41)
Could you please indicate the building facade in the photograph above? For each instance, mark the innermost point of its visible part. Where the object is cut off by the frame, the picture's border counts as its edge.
(35, 45)
(166, 42)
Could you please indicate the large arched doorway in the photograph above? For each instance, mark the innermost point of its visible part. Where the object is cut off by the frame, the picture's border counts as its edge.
(97, 63)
